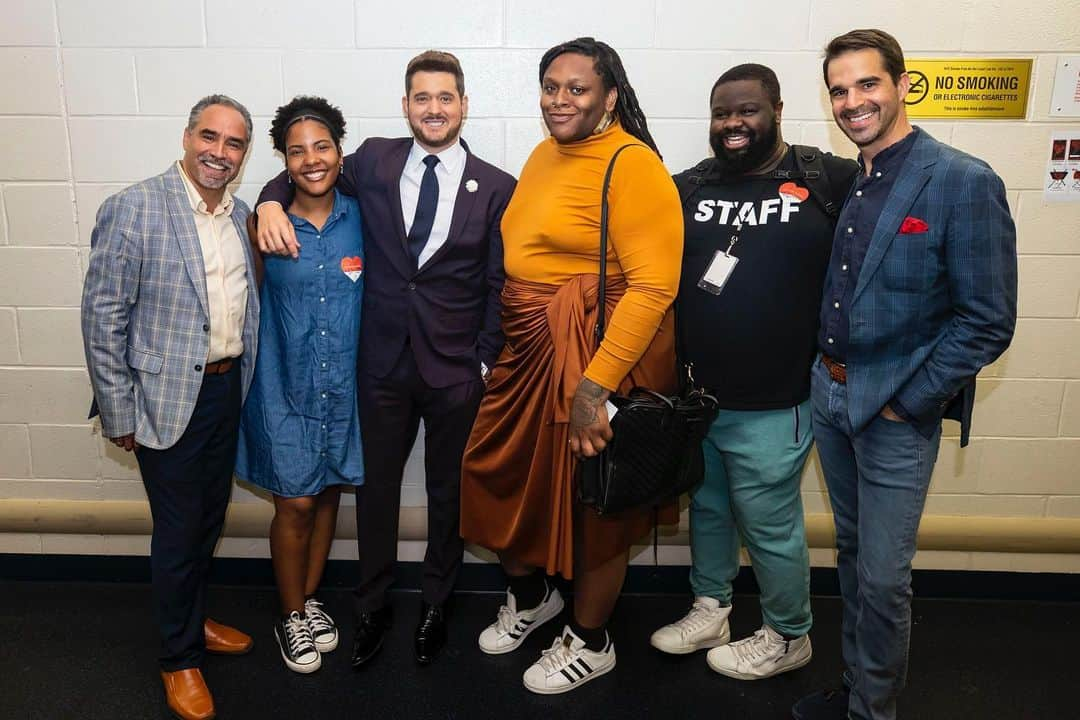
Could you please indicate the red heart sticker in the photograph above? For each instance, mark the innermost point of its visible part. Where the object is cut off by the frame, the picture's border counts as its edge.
(792, 190)
(353, 267)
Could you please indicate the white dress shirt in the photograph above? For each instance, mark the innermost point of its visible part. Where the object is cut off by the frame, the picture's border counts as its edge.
(226, 272)
(449, 171)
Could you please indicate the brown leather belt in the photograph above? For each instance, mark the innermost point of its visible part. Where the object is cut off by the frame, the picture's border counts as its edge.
(220, 367)
(837, 371)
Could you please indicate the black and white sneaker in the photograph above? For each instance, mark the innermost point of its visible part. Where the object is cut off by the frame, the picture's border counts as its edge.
(323, 630)
(512, 626)
(567, 665)
(297, 646)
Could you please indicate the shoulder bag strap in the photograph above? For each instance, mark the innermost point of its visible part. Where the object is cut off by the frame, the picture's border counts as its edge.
(601, 297)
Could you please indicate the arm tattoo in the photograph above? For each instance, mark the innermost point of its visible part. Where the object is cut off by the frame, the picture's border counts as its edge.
(587, 399)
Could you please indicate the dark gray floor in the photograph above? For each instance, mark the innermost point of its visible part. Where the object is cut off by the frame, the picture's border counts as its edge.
(86, 650)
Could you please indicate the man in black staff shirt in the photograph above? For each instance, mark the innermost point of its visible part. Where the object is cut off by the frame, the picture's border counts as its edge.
(759, 225)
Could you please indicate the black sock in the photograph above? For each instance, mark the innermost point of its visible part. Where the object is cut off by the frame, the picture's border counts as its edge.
(596, 639)
(529, 590)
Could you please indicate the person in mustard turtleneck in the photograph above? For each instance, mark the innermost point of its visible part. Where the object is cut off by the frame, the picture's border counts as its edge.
(544, 409)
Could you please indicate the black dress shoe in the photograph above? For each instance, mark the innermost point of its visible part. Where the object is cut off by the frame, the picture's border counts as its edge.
(430, 633)
(823, 705)
(370, 628)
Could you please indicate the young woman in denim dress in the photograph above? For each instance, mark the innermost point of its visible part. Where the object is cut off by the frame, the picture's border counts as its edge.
(300, 433)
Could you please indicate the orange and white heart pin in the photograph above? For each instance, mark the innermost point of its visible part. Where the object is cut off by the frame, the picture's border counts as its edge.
(792, 190)
(353, 267)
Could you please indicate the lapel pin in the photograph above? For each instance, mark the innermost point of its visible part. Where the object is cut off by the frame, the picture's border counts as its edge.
(471, 185)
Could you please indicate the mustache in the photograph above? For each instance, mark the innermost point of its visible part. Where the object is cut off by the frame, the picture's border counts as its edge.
(211, 157)
(862, 109)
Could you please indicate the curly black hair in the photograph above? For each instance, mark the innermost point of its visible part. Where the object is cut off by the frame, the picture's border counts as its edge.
(306, 107)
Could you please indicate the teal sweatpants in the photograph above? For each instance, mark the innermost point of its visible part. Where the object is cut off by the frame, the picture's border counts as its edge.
(753, 464)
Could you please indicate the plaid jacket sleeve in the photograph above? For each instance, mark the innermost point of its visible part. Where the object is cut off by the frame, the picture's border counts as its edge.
(110, 291)
(980, 256)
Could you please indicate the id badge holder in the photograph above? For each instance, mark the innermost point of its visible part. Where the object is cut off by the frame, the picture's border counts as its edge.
(718, 272)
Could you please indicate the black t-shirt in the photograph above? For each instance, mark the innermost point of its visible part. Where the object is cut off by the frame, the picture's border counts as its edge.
(752, 345)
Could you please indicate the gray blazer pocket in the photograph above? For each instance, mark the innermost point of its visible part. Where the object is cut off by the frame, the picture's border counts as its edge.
(147, 362)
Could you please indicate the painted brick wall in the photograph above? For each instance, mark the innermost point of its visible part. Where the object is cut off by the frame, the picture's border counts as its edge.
(94, 96)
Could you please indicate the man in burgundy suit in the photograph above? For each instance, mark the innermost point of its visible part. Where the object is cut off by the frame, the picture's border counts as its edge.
(430, 331)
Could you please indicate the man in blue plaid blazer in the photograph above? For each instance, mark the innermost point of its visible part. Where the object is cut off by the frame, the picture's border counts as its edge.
(920, 295)
(170, 319)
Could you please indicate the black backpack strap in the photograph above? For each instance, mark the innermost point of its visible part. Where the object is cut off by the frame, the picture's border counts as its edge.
(689, 182)
(811, 169)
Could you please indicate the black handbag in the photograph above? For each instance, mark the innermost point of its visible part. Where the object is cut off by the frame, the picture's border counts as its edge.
(655, 454)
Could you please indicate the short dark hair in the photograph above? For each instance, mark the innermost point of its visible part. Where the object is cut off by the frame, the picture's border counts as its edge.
(752, 71)
(218, 99)
(867, 39)
(306, 107)
(435, 61)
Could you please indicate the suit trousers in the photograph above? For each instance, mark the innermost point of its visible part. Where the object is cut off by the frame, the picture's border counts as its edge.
(391, 408)
(188, 486)
(877, 481)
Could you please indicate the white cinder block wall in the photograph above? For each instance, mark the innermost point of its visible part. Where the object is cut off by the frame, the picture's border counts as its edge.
(94, 96)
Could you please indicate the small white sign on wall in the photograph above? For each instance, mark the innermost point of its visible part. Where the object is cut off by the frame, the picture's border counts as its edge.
(1063, 166)
(1065, 101)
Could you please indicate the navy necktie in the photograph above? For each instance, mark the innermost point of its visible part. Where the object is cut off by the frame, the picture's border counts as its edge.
(426, 204)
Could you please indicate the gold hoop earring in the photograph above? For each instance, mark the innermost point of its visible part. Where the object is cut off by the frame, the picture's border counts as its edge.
(605, 123)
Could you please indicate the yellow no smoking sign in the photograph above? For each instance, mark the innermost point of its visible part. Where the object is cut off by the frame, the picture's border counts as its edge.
(994, 88)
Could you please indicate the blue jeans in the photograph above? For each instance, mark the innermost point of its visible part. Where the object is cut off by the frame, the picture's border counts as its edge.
(877, 482)
(753, 465)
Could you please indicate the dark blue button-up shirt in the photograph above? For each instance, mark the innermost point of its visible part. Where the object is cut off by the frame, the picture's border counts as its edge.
(854, 229)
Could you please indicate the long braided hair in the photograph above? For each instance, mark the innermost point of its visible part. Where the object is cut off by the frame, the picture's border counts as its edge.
(609, 67)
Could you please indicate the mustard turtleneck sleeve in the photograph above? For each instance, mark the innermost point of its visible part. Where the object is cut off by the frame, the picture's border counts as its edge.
(551, 232)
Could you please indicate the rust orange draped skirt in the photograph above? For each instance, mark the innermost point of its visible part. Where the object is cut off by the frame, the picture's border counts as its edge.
(517, 479)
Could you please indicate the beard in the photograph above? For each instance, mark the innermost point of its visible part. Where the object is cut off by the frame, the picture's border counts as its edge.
(213, 180)
(441, 138)
(739, 162)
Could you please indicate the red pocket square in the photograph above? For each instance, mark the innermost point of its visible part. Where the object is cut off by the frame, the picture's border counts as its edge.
(913, 225)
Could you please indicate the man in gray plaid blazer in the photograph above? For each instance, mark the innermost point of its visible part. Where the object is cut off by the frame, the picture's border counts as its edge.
(920, 295)
(170, 319)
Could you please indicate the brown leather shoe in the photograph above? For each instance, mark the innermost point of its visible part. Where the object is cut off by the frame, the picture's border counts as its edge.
(187, 694)
(224, 640)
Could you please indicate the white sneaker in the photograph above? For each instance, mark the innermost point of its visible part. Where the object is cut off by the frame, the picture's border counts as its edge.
(297, 646)
(512, 626)
(763, 654)
(568, 664)
(705, 626)
(323, 630)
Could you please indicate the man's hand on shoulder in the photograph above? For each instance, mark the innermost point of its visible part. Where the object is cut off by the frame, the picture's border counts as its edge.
(276, 234)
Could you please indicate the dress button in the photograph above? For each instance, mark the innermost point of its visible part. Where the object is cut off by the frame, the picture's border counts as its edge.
(836, 305)
(322, 332)
(320, 267)
(206, 328)
(877, 174)
(844, 268)
(198, 368)
(324, 394)
(322, 299)
(324, 364)
(830, 341)
(850, 230)
(858, 193)
(412, 286)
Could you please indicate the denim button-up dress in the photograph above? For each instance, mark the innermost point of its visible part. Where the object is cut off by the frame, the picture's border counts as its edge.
(300, 430)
